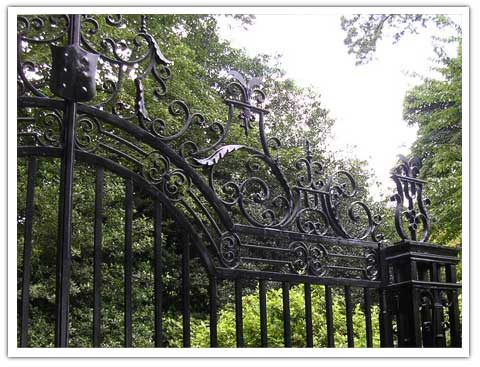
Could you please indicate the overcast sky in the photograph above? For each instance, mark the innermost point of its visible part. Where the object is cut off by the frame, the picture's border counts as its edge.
(366, 101)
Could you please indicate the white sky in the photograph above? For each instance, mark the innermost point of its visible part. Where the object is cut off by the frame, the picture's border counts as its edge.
(366, 101)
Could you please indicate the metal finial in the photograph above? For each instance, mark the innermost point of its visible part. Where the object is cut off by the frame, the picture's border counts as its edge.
(143, 26)
(309, 151)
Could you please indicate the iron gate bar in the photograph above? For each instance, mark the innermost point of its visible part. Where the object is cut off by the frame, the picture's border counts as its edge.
(349, 317)
(158, 282)
(212, 290)
(97, 257)
(368, 316)
(453, 311)
(308, 314)
(438, 331)
(238, 313)
(128, 258)
(186, 290)
(262, 295)
(287, 329)
(65, 206)
(329, 317)
(27, 252)
(385, 321)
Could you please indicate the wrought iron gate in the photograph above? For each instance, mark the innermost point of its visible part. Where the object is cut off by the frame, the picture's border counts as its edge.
(251, 222)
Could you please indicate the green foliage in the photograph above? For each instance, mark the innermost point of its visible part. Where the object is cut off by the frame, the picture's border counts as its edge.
(251, 321)
(436, 107)
(363, 31)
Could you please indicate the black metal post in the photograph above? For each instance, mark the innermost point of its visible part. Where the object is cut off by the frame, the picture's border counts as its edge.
(417, 286)
(65, 207)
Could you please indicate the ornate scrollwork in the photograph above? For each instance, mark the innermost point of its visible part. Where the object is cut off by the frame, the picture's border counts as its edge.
(44, 128)
(260, 203)
(229, 249)
(156, 167)
(308, 258)
(34, 34)
(341, 189)
(88, 133)
(371, 269)
(176, 184)
(312, 221)
(312, 178)
(257, 200)
(44, 29)
(137, 57)
(410, 195)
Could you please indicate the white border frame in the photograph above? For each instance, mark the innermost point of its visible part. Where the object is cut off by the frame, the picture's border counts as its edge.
(14, 351)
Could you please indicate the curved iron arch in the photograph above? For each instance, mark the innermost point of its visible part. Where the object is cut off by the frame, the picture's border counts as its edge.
(123, 172)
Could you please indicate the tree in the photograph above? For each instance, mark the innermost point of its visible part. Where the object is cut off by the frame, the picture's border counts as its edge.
(365, 30)
(435, 106)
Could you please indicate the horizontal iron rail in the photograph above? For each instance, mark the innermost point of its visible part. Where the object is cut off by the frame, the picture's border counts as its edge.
(269, 233)
(426, 284)
(233, 274)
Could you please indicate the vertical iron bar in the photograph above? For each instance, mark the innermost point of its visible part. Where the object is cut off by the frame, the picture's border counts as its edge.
(157, 255)
(287, 330)
(263, 312)
(437, 311)
(402, 322)
(348, 307)
(27, 252)
(308, 314)
(186, 291)
(453, 310)
(385, 320)
(97, 258)
(329, 315)
(425, 312)
(238, 313)
(213, 312)
(368, 317)
(128, 258)
(65, 208)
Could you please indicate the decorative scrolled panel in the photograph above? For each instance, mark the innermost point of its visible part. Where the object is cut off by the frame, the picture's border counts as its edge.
(349, 218)
(35, 35)
(229, 249)
(308, 258)
(39, 127)
(252, 191)
(412, 220)
(130, 61)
